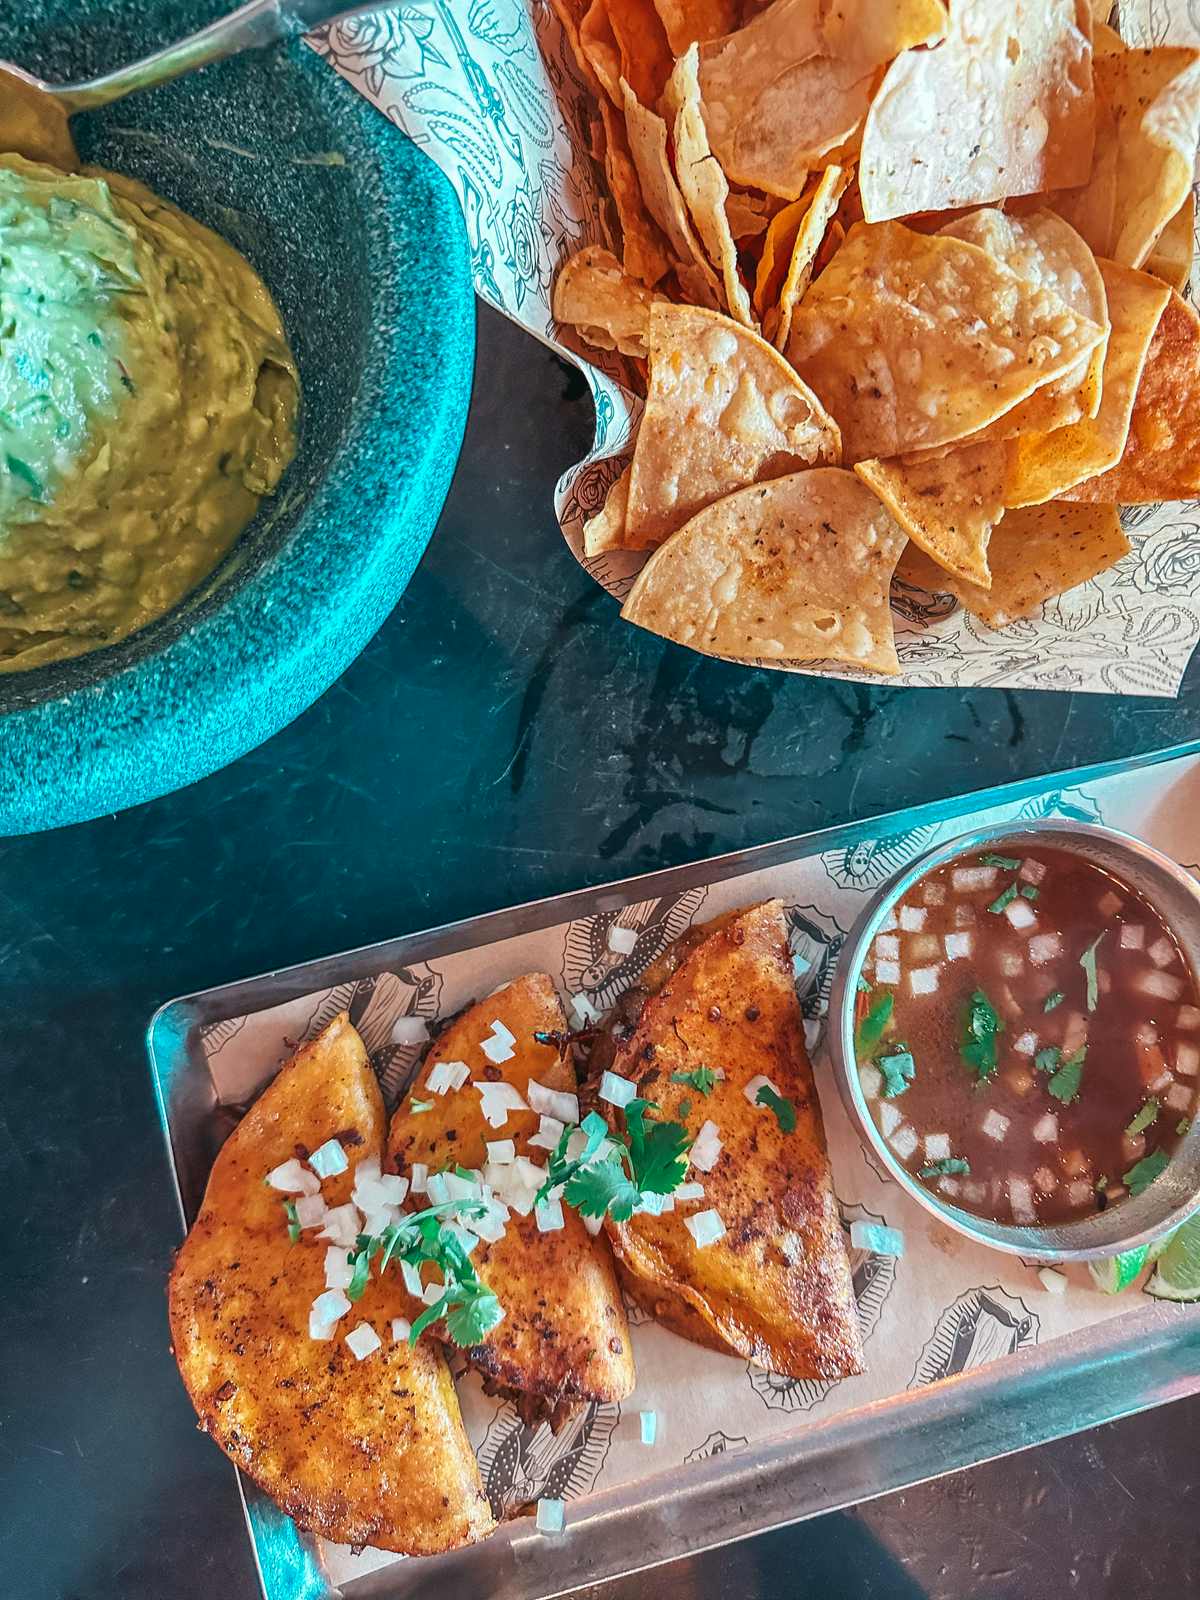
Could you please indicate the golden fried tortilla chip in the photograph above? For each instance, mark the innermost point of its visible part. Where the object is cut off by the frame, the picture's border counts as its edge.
(723, 410)
(598, 46)
(645, 54)
(648, 145)
(1043, 465)
(914, 341)
(361, 1452)
(947, 502)
(1090, 208)
(703, 183)
(1036, 553)
(795, 569)
(777, 250)
(1171, 254)
(775, 1289)
(749, 214)
(606, 530)
(1161, 459)
(1155, 96)
(691, 22)
(643, 247)
(570, 14)
(809, 238)
(792, 85)
(610, 309)
(564, 1337)
(1002, 106)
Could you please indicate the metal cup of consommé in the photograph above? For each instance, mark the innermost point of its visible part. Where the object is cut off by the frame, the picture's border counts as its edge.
(1170, 892)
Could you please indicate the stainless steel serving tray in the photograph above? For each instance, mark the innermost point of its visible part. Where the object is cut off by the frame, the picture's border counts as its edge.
(1129, 1363)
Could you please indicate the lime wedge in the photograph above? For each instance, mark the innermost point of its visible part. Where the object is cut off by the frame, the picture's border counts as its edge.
(1118, 1272)
(1178, 1274)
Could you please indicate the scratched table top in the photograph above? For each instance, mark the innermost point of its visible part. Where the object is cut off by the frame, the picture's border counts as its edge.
(504, 737)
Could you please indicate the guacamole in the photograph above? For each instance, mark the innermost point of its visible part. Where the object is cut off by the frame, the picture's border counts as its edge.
(148, 401)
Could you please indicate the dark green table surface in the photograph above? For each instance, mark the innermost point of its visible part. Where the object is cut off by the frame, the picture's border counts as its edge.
(504, 737)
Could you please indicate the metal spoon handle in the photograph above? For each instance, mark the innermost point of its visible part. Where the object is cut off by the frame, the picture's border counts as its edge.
(259, 23)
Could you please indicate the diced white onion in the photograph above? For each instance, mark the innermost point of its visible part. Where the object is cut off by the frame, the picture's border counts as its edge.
(460, 1188)
(870, 1081)
(1020, 913)
(1146, 1034)
(706, 1150)
(377, 1222)
(1079, 1192)
(934, 894)
(1045, 1129)
(887, 972)
(949, 1187)
(1133, 936)
(311, 1211)
(293, 1177)
(890, 1118)
(363, 1341)
(338, 1271)
(937, 1146)
(550, 1131)
(648, 1421)
(957, 946)
(492, 1224)
(1162, 953)
(923, 980)
(887, 947)
(1187, 1060)
(1179, 1097)
(975, 1192)
(690, 1191)
(1031, 871)
(330, 1306)
(1133, 1147)
(583, 1012)
(924, 947)
(1188, 1018)
(1162, 985)
(750, 1090)
(420, 1177)
(1025, 1044)
(1020, 1197)
(615, 1090)
(432, 1293)
(552, 1102)
(888, 921)
(1044, 947)
(1109, 904)
(877, 1239)
(401, 1328)
(621, 940)
(967, 879)
(1053, 1281)
(318, 1329)
(412, 1279)
(655, 1205)
(593, 1224)
(499, 1046)
(965, 916)
(497, 1100)
(342, 1226)
(549, 1215)
(437, 1189)
(1163, 1081)
(904, 1141)
(995, 1125)
(502, 1151)
(912, 918)
(447, 1076)
(705, 1227)
(468, 1240)
(1044, 1181)
(410, 1030)
(328, 1160)
(393, 1187)
(1011, 963)
(551, 1515)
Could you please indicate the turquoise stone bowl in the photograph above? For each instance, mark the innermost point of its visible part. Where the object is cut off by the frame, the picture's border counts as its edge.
(359, 238)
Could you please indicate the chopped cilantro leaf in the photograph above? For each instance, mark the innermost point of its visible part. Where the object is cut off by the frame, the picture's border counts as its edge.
(1053, 1001)
(1009, 863)
(684, 1108)
(702, 1079)
(981, 1024)
(362, 1272)
(602, 1189)
(898, 1071)
(947, 1167)
(1029, 891)
(1147, 1115)
(417, 1106)
(470, 1318)
(1182, 1126)
(652, 1158)
(1064, 1085)
(1088, 962)
(1004, 898)
(1047, 1060)
(293, 1221)
(871, 1028)
(1143, 1173)
(785, 1111)
(558, 1169)
(658, 1153)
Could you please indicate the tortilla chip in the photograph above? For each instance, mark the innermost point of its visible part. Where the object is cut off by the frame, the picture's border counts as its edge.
(1161, 459)
(1036, 553)
(723, 410)
(598, 46)
(691, 22)
(608, 307)
(703, 183)
(796, 569)
(645, 54)
(777, 98)
(1043, 249)
(1042, 466)
(946, 503)
(1155, 95)
(914, 341)
(606, 530)
(664, 201)
(1090, 209)
(643, 247)
(1171, 254)
(570, 14)
(1003, 106)
(361, 1452)
(808, 241)
(777, 252)
(750, 214)
(564, 1336)
(776, 1289)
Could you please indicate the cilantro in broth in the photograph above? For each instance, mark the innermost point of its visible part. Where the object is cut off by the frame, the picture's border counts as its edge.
(1004, 898)
(981, 1025)
(1143, 1173)
(785, 1111)
(1088, 962)
(1048, 1060)
(1053, 1001)
(1147, 1115)
(899, 1070)
(1029, 891)
(1009, 863)
(873, 1026)
(1065, 1083)
(947, 1167)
